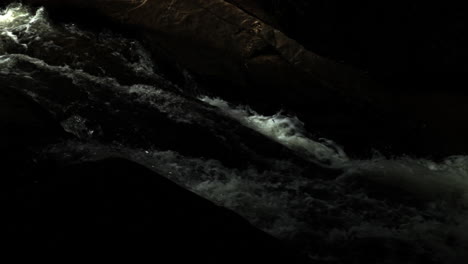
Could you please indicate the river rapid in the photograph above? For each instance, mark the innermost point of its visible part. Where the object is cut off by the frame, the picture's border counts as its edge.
(110, 95)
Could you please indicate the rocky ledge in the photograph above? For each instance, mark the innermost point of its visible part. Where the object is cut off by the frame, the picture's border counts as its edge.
(110, 209)
(237, 52)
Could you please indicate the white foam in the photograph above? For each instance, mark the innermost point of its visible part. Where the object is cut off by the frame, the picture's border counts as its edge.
(424, 179)
(288, 131)
(19, 18)
(12, 13)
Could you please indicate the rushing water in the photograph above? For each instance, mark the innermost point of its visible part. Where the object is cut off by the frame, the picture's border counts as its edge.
(107, 92)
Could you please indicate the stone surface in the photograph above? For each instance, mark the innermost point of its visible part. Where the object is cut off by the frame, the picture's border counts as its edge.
(241, 58)
(114, 209)
(25, 127)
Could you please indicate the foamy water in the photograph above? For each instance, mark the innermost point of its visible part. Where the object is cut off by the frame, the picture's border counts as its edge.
(447, 180)
(288, 131)
(442, 186)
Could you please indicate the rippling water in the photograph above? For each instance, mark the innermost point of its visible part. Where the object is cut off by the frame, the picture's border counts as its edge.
(108, 93)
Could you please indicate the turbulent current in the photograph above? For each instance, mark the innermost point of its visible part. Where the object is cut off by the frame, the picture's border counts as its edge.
(110, 95)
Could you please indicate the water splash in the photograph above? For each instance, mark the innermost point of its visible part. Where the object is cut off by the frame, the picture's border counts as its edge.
(18, 20)
(425, 179)
(285, 130)
(12, 13)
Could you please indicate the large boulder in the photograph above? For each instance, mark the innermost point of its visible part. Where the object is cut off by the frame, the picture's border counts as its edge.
(117, 210)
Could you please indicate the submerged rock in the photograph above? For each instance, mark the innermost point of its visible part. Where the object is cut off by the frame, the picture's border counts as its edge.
(115, 209)
(25, 126)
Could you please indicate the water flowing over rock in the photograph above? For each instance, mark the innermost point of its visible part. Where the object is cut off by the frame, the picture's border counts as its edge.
(235, 54)
(117, 136)
(114, 209)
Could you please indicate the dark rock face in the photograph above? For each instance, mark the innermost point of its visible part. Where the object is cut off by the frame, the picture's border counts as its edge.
(240, 58)
(24, 121)
(115, 209)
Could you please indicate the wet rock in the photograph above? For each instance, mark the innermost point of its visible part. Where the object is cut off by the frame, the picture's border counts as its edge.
(392, 42)
(115, 209)
(144, 117)
(243, 59)
(25, 126)
(240, 58)
(224, 37)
